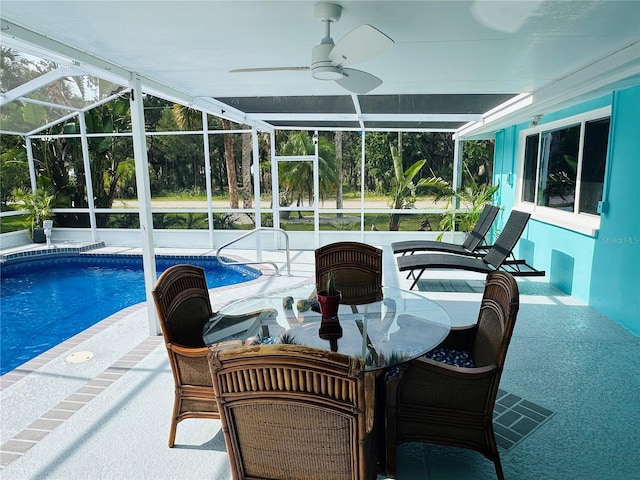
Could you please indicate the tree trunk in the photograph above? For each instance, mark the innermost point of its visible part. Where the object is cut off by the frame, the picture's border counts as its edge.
(247, 191)
(338, 144)
(231, 165)
(394, 218)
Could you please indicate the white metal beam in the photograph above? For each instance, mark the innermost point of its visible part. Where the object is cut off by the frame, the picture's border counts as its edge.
(144, 198)
(358, 109)
(57, 51)
(30, 160)
(207, 178)
(86, 160)
(32, 85)
(82, 62)
(366, 117)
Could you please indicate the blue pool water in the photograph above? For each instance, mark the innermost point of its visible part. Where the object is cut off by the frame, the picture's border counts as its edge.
(48, 300)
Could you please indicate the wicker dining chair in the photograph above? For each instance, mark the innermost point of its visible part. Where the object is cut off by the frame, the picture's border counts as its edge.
(435, 402)
(294, 412)
(357, 269)
(183, 305)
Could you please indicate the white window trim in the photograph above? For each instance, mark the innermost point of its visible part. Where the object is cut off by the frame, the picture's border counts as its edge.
(584, 223)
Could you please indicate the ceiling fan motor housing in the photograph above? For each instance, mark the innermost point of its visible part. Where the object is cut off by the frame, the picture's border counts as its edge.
(321, 67)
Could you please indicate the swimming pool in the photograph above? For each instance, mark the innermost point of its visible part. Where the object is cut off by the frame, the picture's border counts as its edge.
(47, 300)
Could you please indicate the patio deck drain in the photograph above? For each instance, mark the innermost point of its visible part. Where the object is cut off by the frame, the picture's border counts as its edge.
(514, 418)
(14, 448)
(79, 357)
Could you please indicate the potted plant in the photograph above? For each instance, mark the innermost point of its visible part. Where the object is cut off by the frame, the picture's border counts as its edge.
(329, 298)
(39, 204)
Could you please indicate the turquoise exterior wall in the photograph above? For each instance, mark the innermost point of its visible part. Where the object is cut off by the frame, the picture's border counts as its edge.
(602, 271)
(615, 284)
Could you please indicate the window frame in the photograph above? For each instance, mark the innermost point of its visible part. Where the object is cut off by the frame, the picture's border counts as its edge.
(582, 222)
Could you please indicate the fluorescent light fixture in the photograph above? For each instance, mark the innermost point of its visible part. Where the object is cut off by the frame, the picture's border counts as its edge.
(510, 106)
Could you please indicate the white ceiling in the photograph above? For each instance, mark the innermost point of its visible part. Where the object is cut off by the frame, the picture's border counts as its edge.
(560, 50)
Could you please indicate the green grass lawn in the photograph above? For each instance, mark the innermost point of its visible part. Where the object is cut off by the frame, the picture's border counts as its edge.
(13, 224)
(328, 221)
(408, 222)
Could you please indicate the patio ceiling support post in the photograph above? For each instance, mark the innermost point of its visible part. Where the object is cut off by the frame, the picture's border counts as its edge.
(87, 176)
(256, 192)
(257, 203)
(275, 182)
(457, 177)
(207, 172)
(144, 198)
(363, 138)
(316, 189)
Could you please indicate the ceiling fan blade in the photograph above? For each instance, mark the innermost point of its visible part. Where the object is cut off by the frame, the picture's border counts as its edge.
(269, 69)
(359, 45)
(358, 81)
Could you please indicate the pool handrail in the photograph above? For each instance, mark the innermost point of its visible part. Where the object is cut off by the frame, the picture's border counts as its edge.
(259, 250)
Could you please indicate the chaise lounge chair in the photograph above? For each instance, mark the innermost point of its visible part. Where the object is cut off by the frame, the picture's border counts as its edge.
(472, 245)
(497, 258)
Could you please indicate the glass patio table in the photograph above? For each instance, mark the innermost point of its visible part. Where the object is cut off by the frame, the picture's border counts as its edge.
(398, 326)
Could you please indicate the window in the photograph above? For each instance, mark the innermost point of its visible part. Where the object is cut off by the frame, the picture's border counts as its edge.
(563, 167)
(557, 168)
(529, 173)
(594, 161)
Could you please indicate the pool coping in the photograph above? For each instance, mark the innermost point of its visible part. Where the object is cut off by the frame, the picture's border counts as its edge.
(45, 420)
(89, 250)
(30, 366)
(44, 250)
(19, 444)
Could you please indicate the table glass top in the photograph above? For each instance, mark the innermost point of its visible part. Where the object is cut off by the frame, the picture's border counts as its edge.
(402, 326)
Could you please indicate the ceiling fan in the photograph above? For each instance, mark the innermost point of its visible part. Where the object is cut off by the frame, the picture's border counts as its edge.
(328, 59)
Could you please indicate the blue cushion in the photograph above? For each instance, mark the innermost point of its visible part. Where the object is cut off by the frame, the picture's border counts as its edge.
(456, 358)
(260, 340)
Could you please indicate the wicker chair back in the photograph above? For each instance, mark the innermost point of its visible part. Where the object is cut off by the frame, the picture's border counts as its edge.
(293, 412)
(357, 269)
(183, 306)
(496, 320)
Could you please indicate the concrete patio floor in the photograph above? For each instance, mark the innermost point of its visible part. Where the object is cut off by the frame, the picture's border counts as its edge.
(108, 417)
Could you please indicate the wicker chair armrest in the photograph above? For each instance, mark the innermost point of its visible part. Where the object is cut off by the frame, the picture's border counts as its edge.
(188, 351)
(456, 372)
(428, 382)
(460, 338)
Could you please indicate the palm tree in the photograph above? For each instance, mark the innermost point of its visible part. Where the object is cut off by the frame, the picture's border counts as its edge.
(340, 169)
(403, 189)
(247, 192)
(231, 164)
(472, 196)
(298, 176)
(187, 118)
